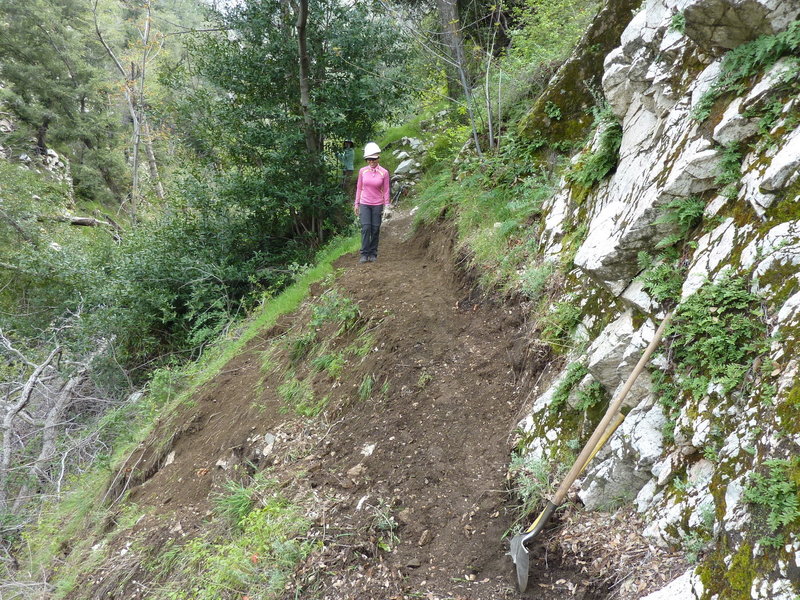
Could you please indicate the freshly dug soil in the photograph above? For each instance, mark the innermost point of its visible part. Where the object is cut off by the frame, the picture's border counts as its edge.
(409, 485)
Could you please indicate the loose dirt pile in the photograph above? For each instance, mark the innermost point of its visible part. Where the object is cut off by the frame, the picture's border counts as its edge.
(406, 484)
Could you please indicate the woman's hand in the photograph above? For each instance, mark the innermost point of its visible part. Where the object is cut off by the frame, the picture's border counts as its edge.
(355, 208)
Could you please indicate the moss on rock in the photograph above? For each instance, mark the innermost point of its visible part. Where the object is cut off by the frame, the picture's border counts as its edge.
(571, 88)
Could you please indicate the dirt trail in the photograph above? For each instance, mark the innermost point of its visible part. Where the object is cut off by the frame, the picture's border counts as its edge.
(442, 436)
(427, 454)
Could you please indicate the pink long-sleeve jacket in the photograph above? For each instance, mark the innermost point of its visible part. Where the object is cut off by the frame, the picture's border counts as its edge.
(373, 186)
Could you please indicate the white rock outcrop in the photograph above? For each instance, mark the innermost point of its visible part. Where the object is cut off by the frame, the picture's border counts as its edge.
(690, 485)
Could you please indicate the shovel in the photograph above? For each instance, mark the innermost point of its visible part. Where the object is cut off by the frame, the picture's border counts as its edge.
(605, 428)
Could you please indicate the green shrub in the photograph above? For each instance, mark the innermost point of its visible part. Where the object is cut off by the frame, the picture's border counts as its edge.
(678, 22)
(559, 323)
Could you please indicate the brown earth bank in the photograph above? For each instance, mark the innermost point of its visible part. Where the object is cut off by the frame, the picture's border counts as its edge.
(406, 485)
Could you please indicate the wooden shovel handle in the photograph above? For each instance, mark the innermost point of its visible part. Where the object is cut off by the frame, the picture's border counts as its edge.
(613, 408)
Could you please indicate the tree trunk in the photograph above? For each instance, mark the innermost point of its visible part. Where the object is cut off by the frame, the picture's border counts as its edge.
(151, 158)
(455, 69)
(148, 139)
(309, 129)
(41, 137)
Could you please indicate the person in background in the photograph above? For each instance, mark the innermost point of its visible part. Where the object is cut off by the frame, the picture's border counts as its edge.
(372, 194)
(347, 157)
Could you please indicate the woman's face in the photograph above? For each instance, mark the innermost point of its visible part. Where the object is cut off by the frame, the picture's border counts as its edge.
(373, 162)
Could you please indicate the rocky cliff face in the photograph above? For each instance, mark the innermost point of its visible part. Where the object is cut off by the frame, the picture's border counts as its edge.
(702, 213)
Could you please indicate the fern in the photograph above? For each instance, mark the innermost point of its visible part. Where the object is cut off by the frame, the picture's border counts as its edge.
(662, 276)
(730, 170)
(745, 61)
(683, 212)
(777, 492)
(575, 373)
(594, 167)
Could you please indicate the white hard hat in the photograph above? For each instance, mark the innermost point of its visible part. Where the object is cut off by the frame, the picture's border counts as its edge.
(371, 150)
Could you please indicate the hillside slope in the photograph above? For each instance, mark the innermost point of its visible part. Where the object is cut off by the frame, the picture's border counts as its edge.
(403, 487)
(426, 450)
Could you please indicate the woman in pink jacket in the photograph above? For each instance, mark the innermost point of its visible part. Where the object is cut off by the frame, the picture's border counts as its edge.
(372, 194)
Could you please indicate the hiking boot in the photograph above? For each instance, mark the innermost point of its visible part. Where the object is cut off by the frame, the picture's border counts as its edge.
(364, 259)
(372, 258)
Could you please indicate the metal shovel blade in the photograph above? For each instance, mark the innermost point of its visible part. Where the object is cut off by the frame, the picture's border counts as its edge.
(519, 554)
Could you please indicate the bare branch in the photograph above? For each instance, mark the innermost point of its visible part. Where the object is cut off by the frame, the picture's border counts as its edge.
(16, 226)
(11, 415)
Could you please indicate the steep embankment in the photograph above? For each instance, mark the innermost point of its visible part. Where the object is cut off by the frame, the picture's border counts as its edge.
(701, 214)
(403, 473)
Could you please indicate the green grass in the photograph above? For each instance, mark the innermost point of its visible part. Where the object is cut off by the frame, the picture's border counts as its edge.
(493, 219)
(256, 562)
(533, 482)
(332, 363)
(559, 323)
(365, 389)
(235, 502)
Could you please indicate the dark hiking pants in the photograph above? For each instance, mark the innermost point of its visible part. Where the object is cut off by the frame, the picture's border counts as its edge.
(370, 217)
